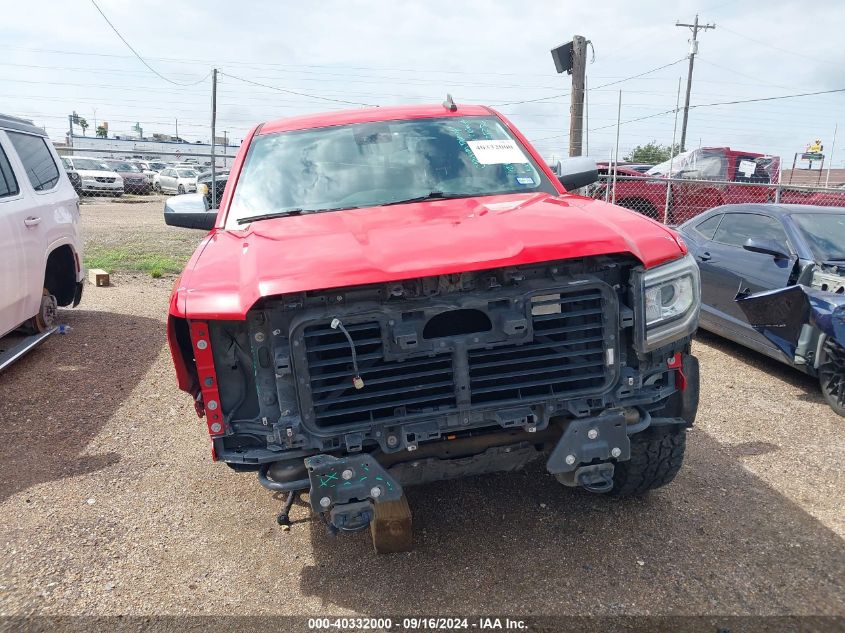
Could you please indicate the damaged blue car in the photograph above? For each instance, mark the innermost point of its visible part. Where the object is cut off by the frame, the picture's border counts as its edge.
(773, 280)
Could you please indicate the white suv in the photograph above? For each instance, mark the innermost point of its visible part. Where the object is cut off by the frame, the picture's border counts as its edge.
(40, 237)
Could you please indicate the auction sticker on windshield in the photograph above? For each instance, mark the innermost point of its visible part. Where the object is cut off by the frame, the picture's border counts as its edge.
(497, 152)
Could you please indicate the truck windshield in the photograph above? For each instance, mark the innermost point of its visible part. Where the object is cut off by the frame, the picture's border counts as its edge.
(696, 164)
(372, 164)
(825, 234)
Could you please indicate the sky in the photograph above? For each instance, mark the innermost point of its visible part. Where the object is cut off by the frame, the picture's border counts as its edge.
(59, 57)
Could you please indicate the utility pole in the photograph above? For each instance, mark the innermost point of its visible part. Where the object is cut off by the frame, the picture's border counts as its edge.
(70, 130)
(695, 27)
(177, 130)
(576, 110)
(586, 118)
(213, 132)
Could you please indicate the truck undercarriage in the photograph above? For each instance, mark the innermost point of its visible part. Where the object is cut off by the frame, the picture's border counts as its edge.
(354, 393)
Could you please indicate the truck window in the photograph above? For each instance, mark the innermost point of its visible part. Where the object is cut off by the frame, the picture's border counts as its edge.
(8, 184)
(751, 169)
(709, 167)
(37, 160)
(735, 228)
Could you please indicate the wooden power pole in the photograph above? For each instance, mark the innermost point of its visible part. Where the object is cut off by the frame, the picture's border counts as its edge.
(695, 27)
(576, 110)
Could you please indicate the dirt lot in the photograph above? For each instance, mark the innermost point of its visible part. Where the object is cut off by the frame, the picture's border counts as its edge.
(110, 504)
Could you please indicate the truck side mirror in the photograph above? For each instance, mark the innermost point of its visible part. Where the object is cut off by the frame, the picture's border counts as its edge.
(766, 246)
(189, 211)
(578, 172)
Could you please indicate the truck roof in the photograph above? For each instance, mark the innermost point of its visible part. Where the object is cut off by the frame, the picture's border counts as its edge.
(9, 122)
(369, 115)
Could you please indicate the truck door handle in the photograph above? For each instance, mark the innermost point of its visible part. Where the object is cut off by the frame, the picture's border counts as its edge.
(32, 221)
(705, 257)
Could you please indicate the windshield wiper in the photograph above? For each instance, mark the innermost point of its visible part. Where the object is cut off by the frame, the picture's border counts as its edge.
(431, 195)
(270, 216)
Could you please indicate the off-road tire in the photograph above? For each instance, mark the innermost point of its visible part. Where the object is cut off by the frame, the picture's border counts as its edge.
(832, 375)
(656, 457)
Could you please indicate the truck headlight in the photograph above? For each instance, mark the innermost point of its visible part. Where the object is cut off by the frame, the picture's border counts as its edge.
(668, 300)
(671, 295)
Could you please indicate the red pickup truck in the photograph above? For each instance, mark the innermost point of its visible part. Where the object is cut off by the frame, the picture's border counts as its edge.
(393, 296)
(715, 176)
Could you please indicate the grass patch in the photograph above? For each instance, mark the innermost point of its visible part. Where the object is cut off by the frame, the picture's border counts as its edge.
(133, 260)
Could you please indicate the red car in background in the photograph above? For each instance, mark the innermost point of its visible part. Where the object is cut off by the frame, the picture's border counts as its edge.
(705, 178)
(729, 171)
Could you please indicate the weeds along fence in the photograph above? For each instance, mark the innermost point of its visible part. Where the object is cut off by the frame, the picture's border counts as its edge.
(676, 200)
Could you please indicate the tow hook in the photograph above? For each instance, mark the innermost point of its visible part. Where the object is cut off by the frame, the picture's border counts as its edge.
(595, 478)
(344, 489)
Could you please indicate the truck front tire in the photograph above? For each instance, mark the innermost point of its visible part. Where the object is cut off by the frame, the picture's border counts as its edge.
(656, 457)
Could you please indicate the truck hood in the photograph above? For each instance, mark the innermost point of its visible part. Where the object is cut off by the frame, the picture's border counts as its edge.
(231, 270)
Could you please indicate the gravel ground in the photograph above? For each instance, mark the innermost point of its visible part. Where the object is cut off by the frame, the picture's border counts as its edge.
(110, 504)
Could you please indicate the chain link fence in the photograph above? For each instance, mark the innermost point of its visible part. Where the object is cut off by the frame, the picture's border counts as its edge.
(676, 200)
(168, 169)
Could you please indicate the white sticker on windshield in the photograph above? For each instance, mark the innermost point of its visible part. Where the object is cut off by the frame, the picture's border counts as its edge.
(747, 167)
(497, 152)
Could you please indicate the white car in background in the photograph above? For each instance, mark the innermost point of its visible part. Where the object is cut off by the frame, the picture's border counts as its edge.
(39, 238)
(94, 175)
(146, 169)
(177, 180)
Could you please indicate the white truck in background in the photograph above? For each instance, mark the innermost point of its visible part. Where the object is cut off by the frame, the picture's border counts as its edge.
(40, 241)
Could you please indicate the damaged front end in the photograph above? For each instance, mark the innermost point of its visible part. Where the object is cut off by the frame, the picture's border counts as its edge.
(795, 318)
(356, 392)
(808, 326)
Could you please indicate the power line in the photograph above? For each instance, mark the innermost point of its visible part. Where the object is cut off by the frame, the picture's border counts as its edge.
(141, 59)
(293, 92)
(777, 98)
(612, 83)
(707, 105)
(778, 48)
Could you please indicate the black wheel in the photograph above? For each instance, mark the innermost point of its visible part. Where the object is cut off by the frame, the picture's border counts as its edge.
(181, 189)
(656, 457)
(832, 375)
(157, 187)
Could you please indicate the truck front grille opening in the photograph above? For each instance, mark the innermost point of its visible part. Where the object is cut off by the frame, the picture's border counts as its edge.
(564, 357)
(457, 323)
(391, 388)
(567, 354)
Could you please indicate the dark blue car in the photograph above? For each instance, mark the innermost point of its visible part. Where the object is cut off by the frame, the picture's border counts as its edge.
(773, 279)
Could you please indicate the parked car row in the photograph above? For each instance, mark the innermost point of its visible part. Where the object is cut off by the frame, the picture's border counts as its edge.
(92, 176)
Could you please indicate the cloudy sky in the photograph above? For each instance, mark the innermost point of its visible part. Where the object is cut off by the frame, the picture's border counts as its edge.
(57, 57)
